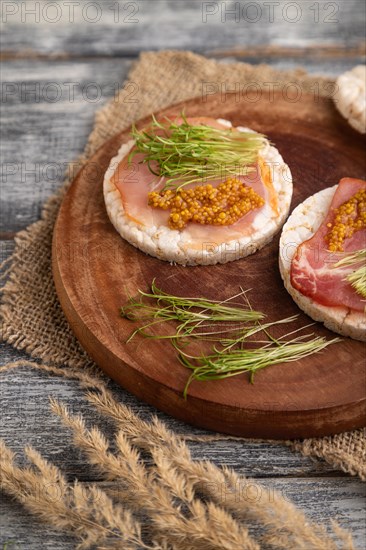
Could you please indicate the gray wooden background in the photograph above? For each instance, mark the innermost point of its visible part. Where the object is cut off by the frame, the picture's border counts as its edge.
(60, 62)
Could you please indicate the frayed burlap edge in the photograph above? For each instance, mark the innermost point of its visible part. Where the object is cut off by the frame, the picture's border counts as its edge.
(32, 319)
(345, 451)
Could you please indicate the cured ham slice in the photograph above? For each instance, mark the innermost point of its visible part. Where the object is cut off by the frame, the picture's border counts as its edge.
(135, 181)
(312, 268)
(127, 185)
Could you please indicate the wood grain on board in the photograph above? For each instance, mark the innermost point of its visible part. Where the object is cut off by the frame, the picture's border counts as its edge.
(95, 269)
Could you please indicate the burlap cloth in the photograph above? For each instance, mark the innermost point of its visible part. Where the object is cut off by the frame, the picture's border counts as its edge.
(32, 319)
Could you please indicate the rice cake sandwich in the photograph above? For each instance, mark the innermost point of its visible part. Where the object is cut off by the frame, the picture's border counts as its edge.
(322, 257)
(197, 191)
(350, 97)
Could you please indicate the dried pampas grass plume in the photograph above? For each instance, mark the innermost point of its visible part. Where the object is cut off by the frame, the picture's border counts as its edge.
(85, 511)
(175, 514)
(155, 496)
(285, 526)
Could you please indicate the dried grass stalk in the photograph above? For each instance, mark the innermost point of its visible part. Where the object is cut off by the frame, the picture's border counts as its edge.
(85, 511)
(89, 378)
(169, 492)
(285, 525)
(176, 515)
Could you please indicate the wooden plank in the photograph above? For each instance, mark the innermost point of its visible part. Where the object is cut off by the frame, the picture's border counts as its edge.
(340, 499)
(36, 152)
(26, 419)
(6, 248)
(125, 28)
(331, 67)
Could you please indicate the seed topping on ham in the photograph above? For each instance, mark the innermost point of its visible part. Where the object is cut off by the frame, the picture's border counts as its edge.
(313, 269)
(205, 204)
(347, 218)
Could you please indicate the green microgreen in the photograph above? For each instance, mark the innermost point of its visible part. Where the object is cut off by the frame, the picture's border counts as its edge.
(197, 317)
(232, 330)
(187, 153)
(357, 277)
(224, 364)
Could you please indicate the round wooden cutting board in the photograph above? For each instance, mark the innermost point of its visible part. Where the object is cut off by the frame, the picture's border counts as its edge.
(95, 269)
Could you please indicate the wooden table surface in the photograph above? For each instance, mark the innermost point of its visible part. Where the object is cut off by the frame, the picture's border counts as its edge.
(60, 64)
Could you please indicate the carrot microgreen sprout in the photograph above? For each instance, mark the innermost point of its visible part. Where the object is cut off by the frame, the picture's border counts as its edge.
(233, 330)
(196, 317)
(226, 362)
(185, 153)
(357, 278)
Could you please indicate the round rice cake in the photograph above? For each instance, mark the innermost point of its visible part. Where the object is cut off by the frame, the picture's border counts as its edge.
(350, 97)
(301, 225)
(218, 243)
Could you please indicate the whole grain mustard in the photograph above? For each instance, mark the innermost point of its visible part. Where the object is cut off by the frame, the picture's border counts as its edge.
(208, 205)
(349, 217)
